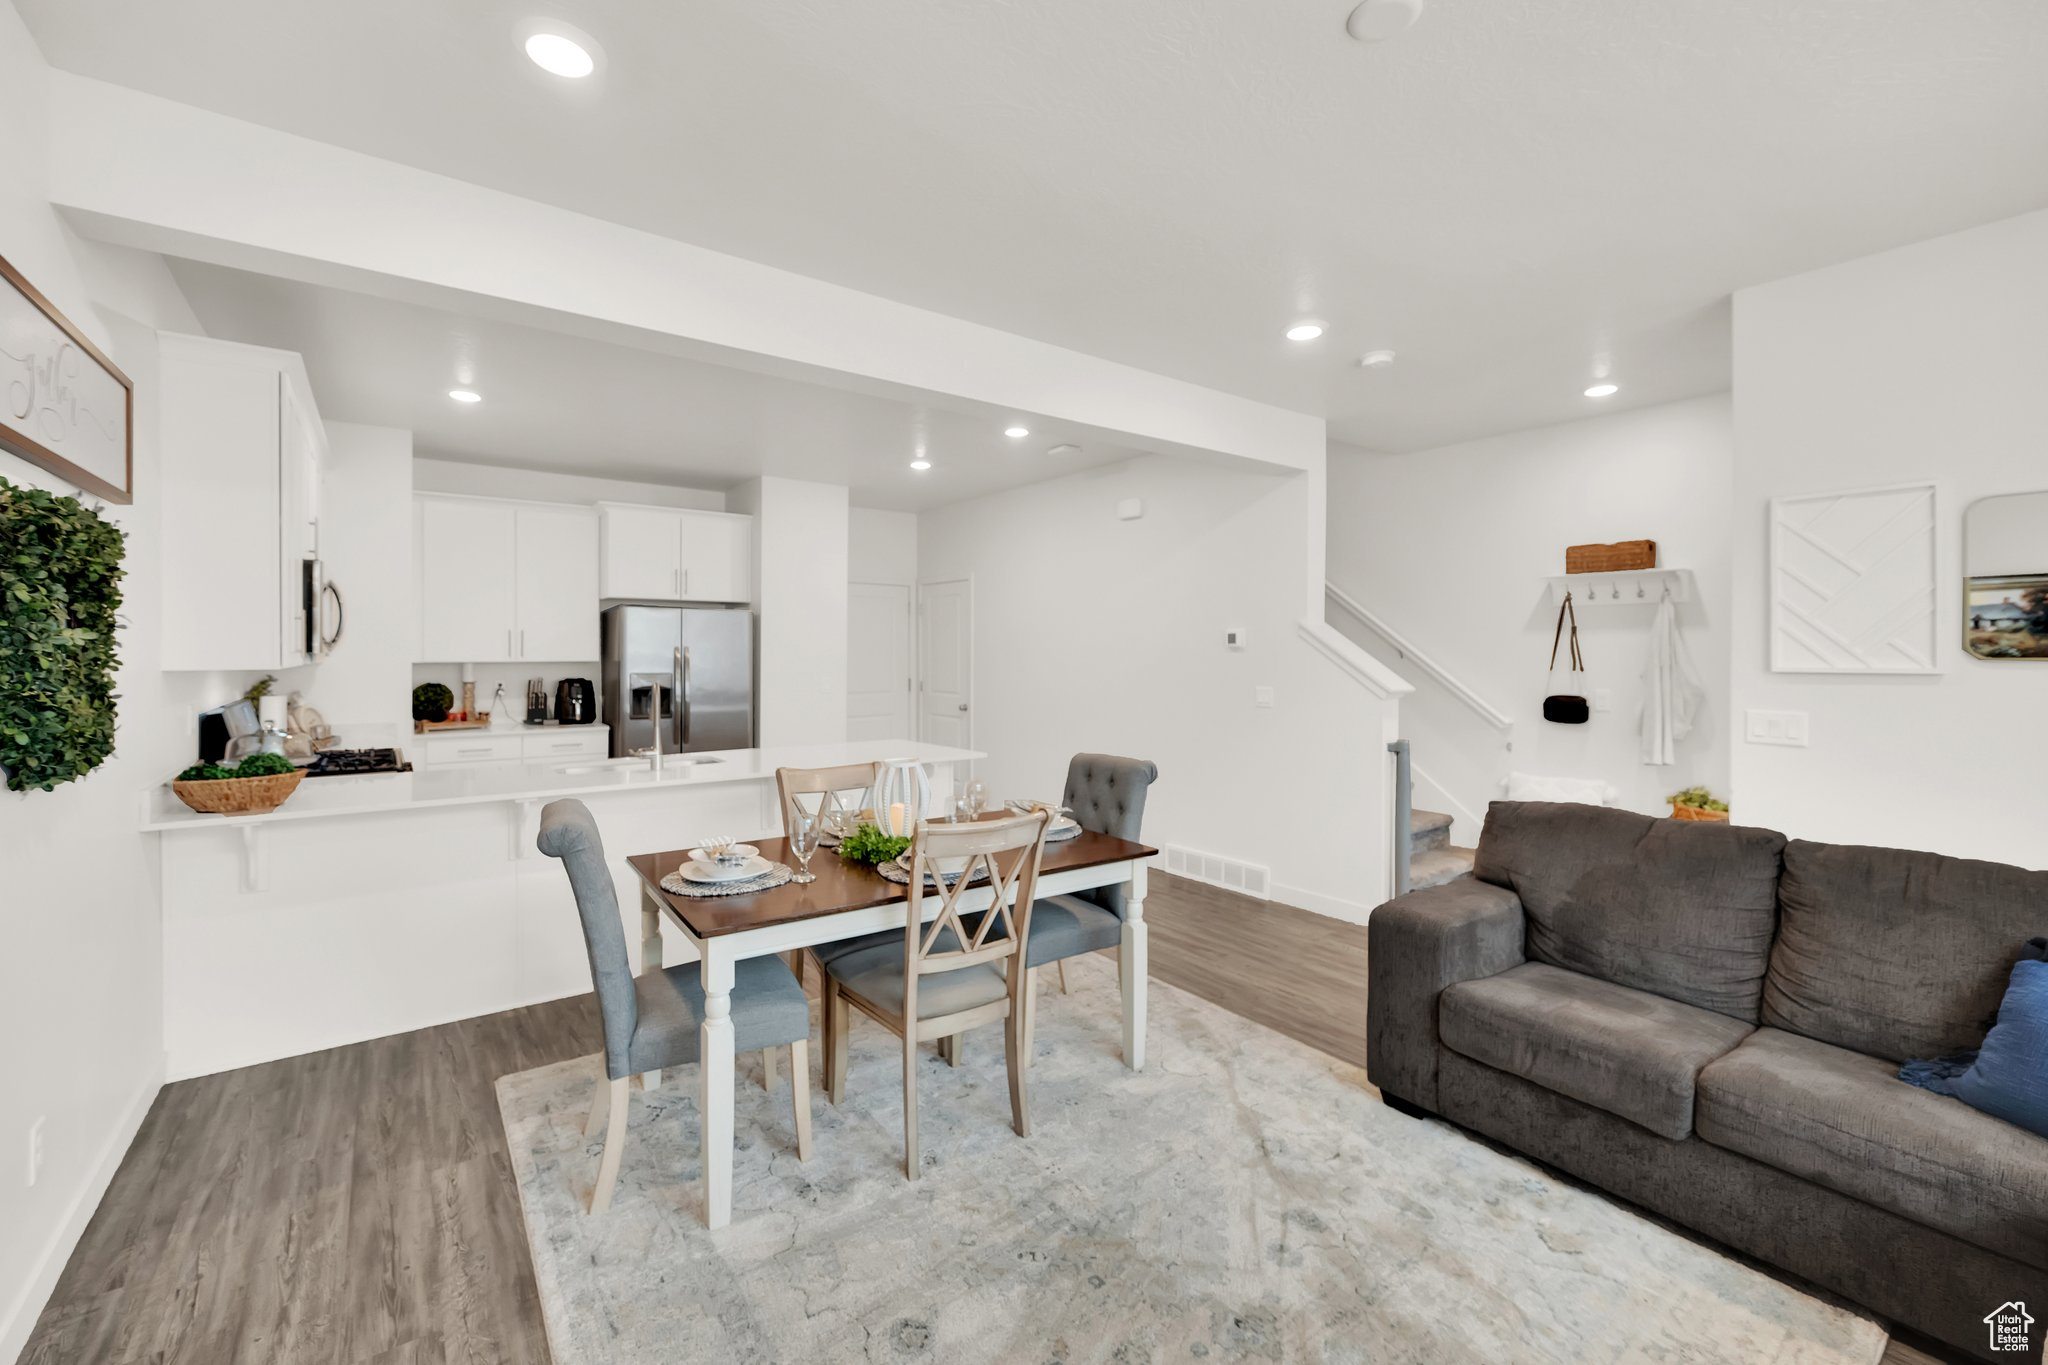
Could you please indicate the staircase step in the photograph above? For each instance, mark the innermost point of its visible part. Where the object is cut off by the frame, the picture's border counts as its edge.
(1427, 830)
(1438, 866)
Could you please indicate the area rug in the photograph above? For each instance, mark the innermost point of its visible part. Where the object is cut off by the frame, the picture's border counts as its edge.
(1244, 1198)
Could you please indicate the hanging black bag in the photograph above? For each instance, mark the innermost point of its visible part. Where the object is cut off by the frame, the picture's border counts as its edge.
(1568, 708)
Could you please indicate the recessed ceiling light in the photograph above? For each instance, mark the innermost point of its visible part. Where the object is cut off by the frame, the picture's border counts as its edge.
(465, 395)
(920, 465)
(1603, 389)
(1376, 360)
(560, 55)
(1016, 433)
(1375, 21)
(1305, 331)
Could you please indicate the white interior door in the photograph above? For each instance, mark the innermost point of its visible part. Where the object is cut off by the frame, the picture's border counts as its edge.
(946, 663)
(878, 661)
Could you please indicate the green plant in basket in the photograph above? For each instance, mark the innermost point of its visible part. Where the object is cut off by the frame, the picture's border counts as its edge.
(1699, 798)
(869, 845)
(255, 765)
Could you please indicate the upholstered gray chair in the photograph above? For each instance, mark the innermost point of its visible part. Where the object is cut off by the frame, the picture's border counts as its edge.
(651, 1021)
(1106, 794)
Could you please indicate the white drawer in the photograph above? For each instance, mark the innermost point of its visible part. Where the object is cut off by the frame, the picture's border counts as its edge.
(481, 747)
(577, 741)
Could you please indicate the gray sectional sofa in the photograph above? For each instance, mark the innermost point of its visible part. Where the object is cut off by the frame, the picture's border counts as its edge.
(1708, 1021)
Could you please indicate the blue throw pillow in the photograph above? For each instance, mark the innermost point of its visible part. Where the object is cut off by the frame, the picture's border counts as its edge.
(2010, 1079)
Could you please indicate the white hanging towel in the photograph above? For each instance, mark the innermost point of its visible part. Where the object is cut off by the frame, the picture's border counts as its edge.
(1671, 690)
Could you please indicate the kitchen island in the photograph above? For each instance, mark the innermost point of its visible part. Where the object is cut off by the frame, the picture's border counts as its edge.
(377, 904)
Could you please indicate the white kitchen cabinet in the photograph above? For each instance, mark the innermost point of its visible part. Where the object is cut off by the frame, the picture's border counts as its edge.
(537, 744)
(556, 583)
(470, 746)
(241, 453)
(566, 741)
(676, 554)
(467, 594)
(504, 581)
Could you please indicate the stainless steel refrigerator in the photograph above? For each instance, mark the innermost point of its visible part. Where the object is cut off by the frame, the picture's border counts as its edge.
(694, 666)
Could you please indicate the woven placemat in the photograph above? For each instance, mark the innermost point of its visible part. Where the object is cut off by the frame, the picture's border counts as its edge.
(775, 876)
(899, 874)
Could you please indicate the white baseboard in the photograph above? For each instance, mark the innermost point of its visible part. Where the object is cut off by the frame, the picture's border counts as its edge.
(1351, 912)
(21, 1315)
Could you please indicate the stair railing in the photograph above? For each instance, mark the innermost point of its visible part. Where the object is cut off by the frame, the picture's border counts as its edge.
(1487, 712)
(1404, 813)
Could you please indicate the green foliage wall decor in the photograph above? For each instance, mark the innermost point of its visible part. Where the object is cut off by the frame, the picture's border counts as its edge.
(60, 589)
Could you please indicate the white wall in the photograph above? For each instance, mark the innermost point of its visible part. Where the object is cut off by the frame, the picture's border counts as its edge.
(1450, 548)
(1921, 363)
(81, 1036)
(881, 547)
(434, 475)
(1092, 633)
(800, 547)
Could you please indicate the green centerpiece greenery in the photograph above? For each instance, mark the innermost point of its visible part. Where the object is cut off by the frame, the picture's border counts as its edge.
(869, 845)
(60, 592)
(1699, 798)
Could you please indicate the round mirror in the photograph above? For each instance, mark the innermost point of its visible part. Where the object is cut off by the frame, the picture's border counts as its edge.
(2005, 577)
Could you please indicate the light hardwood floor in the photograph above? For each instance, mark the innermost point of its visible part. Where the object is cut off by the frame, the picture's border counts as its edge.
(357, 1205)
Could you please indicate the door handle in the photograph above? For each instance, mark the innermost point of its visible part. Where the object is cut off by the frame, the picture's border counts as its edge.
(682, 717)
(522, 642)
(963, 706)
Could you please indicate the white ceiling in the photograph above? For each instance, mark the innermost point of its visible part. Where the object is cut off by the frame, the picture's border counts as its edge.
(561, 402)
(1508, 193)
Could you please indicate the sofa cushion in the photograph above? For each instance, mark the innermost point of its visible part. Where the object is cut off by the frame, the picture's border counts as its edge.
(1897, 954)
(1626, 1051)
(1844, 1120)
(1683, 909)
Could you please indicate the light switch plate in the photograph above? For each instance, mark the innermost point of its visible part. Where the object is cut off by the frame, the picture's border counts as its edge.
(1262, 696)
(1787, 728)
(1603, 699)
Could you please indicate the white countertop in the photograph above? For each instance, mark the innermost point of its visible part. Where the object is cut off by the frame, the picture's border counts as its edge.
(320, 798)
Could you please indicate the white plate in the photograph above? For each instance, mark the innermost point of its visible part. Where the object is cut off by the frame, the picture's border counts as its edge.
(1064, 822)
(711, 873)
(744, 850)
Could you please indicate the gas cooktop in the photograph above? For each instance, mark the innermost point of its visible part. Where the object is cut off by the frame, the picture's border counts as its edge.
(350, 762)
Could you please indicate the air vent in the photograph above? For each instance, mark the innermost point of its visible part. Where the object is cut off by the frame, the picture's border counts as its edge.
(1228, 873)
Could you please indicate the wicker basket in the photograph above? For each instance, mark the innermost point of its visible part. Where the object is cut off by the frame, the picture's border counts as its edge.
(1617, 558)
(239, 795)
(1698, 813)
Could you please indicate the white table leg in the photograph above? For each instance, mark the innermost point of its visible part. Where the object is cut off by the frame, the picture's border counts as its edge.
(650, 959)
(1131, 965)
(716, 1037)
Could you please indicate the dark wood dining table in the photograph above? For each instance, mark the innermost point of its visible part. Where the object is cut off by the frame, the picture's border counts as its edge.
(846, 900)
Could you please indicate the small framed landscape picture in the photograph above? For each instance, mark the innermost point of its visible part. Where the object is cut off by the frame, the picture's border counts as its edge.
(63, 404)
(2005, 577)
(2007, 618)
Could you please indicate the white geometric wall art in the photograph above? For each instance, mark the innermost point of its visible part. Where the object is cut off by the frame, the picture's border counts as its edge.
(1855, 581)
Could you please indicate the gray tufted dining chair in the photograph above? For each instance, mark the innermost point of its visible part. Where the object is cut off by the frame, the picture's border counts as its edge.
(1106, 794)
(651, 1021)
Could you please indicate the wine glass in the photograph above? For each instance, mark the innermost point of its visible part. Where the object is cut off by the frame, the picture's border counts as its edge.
(803, 842)
(974, 798)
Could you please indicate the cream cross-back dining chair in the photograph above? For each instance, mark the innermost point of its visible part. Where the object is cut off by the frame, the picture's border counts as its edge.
(850, 787)
(934, 980)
